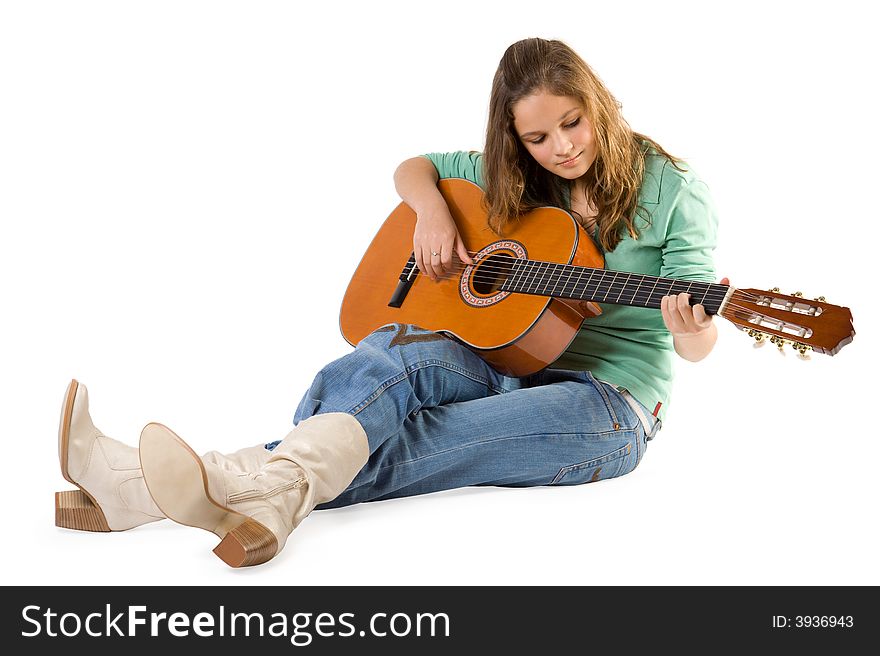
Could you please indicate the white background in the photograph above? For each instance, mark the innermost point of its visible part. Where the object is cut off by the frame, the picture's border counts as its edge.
(186, 188)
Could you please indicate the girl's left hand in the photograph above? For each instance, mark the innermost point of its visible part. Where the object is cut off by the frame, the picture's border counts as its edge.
(681, 319)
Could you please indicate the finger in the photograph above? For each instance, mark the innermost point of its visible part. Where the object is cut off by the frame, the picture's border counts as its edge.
(700, 317)
(683, 306)
(670, 315)
(417, 254)
(678, 320)
(664, 311)
(446, 258)
(436, 262)
(725, 281)
(427, 258)
(462, 251)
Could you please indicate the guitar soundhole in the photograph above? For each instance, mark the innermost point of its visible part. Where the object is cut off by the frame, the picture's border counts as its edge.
(492, 273)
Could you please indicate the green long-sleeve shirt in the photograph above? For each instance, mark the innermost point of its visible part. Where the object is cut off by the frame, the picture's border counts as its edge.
(630, 346)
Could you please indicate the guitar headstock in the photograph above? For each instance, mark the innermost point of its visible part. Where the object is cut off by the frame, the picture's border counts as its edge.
(790, 319)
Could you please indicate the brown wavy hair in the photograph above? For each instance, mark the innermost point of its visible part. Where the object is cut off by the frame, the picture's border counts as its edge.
(515, 183)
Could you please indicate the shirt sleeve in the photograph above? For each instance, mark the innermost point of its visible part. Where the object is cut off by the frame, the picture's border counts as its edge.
(691, 235)
(467, 164)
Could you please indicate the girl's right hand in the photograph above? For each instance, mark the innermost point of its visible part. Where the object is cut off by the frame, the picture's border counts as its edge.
(436, 232)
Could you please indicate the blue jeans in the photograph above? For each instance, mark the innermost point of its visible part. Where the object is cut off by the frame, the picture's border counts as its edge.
(438, 417)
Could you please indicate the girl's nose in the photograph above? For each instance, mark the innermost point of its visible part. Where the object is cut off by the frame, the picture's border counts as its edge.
(563, 146)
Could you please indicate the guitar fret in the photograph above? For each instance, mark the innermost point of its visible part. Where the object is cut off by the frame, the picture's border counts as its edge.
(621, 282)
(536, 272)
(550, 273)
(529, 277)
(558, 270)
(507, 285)
(597, 284)
(570, 289)
(539, 279)
(510, 284)
(640, 291)
(713, 305)
(522, 269)
(565, 292)
(636, 291)
(592, 294)
(610, 286)
(623, 288)
(523, 276)
(651, 293)
(534, 279)
(577, 284)
(668, 289)
(576, 280)
(577, 274)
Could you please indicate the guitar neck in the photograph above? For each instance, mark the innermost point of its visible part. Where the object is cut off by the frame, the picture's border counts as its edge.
(603, 286)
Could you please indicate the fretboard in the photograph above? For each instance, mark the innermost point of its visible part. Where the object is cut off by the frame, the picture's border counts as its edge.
(604, 286)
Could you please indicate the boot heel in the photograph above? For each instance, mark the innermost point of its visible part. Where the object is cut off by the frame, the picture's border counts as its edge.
(74, 509)
(250, 543)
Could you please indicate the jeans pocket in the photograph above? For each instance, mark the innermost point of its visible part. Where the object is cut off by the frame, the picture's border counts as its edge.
(597, 469)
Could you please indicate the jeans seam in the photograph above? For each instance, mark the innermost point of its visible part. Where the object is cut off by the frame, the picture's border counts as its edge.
(616, 455)
(422, 364)
(496, 439)
(601, 389)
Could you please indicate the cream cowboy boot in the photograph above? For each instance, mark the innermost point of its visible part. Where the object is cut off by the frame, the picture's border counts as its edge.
(112, 495)
(244, 460)
(254, 512)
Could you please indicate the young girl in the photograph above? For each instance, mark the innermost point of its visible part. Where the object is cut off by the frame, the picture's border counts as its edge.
(411, 411)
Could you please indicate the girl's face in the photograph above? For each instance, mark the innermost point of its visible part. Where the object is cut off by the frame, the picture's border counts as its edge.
(555, 129)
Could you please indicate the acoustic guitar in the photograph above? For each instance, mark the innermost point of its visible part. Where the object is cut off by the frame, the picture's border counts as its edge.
(525, 297)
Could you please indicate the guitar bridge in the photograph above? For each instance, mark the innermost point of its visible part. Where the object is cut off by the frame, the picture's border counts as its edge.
(406, 280)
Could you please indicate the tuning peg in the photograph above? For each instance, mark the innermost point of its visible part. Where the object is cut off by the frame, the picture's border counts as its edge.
(780, 343)
(798, 294)
(803, 350)
(775, 289)
(759, 337)
(821, 299)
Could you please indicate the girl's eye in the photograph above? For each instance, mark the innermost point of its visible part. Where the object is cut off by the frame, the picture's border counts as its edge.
(570, 125)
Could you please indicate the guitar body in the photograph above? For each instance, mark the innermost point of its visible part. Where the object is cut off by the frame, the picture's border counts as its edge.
(518, 334)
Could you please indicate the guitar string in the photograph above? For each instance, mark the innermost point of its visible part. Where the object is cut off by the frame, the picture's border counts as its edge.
(709, 294)
(730, 305)
(486, 267)
(715, 294)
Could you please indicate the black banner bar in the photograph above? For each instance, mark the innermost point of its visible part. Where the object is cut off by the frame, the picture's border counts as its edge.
(434, 619)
